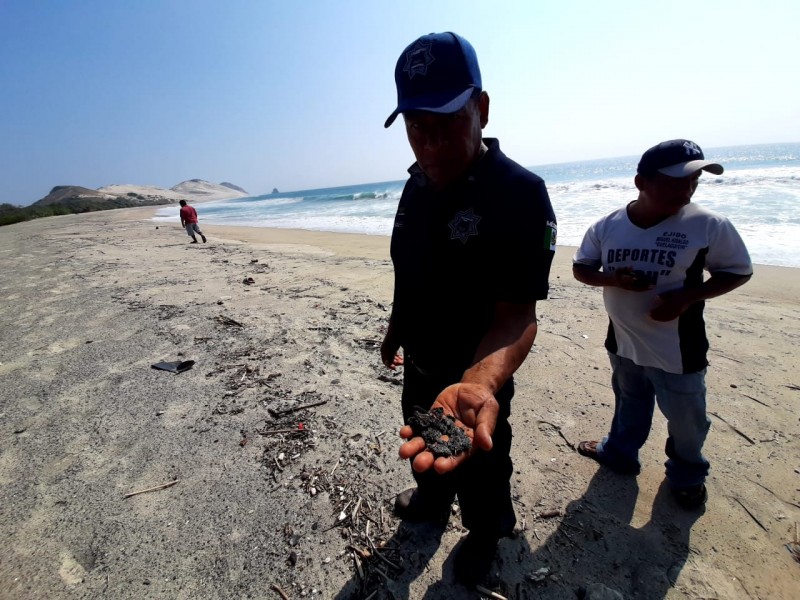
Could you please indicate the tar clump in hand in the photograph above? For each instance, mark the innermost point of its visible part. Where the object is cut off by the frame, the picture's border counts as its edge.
(441, 434)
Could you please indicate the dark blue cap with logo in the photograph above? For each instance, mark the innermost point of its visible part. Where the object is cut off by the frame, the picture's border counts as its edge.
(437, 73)
(676, 158)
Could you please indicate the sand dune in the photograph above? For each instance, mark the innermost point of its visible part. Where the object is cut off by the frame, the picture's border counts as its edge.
(194, 190)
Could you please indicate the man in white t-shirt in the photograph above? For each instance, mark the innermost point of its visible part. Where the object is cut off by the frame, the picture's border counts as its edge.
(649, 257)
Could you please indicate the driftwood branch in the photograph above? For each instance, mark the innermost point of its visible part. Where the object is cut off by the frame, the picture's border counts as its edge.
(228, 321)
(276, 431)
(280, 592)
(489, 593)
(286, 411)
(152, 489)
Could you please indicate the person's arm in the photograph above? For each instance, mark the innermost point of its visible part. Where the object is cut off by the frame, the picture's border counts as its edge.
(390, 347)
(504, 347)
(472, 402)
(673, 304)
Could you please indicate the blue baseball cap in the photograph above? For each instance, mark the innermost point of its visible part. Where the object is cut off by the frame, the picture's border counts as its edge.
(437, 73)
(676, 158)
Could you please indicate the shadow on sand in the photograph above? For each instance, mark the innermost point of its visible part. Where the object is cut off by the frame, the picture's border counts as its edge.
(594, 542)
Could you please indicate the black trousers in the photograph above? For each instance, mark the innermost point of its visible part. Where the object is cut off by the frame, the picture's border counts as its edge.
(483, 482)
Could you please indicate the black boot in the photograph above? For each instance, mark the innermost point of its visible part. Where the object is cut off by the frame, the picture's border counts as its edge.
(411, 506)
(474, 559)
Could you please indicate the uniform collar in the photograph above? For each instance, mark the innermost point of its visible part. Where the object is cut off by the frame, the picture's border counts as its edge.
(490, 149)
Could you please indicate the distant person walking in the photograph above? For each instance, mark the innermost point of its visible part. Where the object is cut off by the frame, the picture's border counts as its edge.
(189, 221)
(649, 257)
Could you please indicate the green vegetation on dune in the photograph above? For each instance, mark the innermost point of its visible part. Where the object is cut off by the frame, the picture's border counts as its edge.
(14, 214)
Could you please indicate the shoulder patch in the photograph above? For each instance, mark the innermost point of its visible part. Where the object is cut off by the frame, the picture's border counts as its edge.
(550, 236)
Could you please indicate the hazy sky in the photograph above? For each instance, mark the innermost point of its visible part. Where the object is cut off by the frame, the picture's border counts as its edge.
(293, 94)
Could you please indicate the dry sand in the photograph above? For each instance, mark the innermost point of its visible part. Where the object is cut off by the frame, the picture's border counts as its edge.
(89, 302)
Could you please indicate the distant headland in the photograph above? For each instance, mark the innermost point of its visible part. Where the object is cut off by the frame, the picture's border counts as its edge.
(67, 199)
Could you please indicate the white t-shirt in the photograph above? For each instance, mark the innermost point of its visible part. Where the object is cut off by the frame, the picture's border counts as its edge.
(671, 255)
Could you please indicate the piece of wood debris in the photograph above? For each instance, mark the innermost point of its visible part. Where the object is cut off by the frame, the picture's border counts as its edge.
(376, 551)
(286, 411)
(379, 448)
(277, 431)
(358, 565)
(383, 574)
(279, 591)
(489, 593)
(152, 489)
(228, 321)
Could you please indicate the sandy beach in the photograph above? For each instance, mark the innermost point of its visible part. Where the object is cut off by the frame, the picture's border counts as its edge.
(275, 455)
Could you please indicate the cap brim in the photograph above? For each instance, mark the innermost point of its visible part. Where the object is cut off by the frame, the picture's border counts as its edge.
(392, 117)
(435, 104)
(691, 167)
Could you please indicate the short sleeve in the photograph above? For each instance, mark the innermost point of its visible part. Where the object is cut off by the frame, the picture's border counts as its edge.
(727, 252)
(527, 247)
(589, 253)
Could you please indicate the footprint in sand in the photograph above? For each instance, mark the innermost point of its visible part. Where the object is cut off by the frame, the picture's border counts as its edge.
(71, 571)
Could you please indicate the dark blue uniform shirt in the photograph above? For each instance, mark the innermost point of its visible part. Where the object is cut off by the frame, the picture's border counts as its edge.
(457, 252)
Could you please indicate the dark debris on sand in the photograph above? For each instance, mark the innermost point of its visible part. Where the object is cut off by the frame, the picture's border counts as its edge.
(440, 432)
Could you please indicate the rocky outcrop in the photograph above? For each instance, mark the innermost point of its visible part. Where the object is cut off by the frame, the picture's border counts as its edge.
(64, 193)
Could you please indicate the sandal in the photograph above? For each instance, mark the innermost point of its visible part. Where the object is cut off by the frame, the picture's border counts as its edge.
(690, 497)
(589, 450)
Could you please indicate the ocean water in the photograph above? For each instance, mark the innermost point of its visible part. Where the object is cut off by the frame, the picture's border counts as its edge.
(759, 192)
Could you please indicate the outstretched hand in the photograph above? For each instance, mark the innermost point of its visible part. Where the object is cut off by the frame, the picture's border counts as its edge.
(475, 410)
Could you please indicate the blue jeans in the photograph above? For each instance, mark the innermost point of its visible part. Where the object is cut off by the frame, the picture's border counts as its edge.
(682, 399)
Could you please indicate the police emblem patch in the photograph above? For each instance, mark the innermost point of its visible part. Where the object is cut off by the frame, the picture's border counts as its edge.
(418, 59)
(464, 225)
